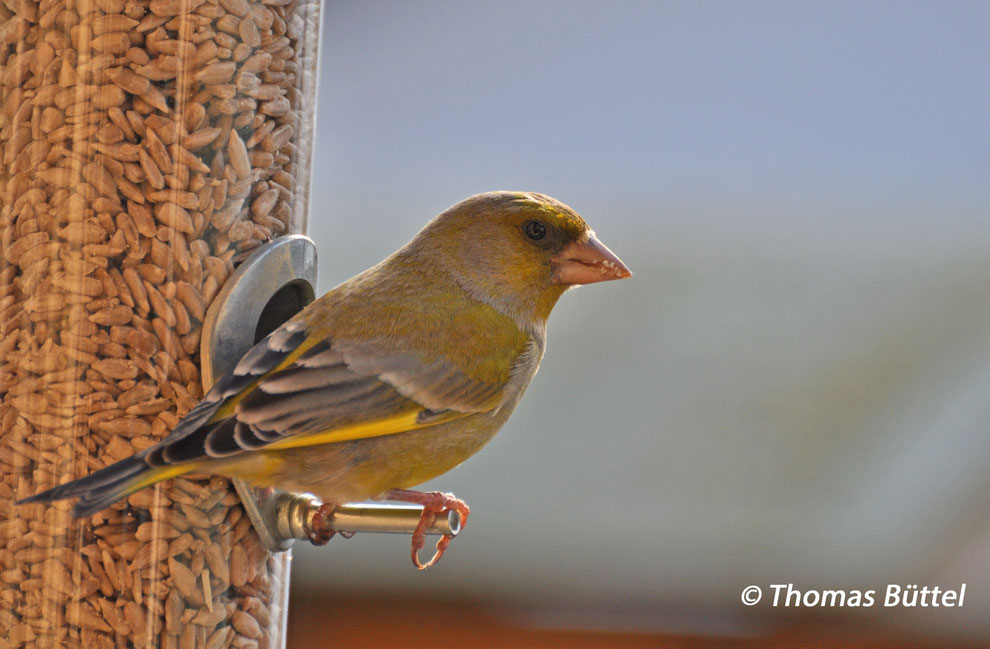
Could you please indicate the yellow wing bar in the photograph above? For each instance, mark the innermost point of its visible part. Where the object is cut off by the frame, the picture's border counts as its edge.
(399, 423)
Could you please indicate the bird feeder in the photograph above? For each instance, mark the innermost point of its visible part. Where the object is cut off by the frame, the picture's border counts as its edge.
(149, 148)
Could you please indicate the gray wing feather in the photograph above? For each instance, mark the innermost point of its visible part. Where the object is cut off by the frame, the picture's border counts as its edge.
(334, 383)
(188, 440)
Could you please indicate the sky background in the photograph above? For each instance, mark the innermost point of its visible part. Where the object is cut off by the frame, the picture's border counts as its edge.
(792, 387)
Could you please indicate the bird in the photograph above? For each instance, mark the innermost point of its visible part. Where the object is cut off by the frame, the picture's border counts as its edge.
(393, 377)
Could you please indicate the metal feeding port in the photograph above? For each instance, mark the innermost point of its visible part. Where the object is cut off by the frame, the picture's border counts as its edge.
(272, 284)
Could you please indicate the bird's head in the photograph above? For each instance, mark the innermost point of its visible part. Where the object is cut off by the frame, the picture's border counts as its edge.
(519, 251)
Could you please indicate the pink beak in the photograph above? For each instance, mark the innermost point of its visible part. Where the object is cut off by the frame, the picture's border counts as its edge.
(587, 261)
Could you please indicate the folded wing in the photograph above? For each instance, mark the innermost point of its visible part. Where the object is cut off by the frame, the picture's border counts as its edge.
(292, 390)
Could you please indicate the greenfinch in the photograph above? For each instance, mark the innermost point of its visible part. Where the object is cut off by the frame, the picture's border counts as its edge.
(393, 377)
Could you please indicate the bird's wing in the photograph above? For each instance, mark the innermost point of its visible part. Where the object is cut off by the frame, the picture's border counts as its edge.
(293, 389)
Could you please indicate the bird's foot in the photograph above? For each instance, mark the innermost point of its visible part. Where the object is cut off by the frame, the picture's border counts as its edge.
(434, 504)
(320, 531)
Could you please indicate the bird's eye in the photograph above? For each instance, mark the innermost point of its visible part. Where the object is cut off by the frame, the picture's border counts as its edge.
(534, 230)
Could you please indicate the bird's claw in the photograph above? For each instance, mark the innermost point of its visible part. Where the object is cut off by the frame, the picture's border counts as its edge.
(434, 504)
(320, 531)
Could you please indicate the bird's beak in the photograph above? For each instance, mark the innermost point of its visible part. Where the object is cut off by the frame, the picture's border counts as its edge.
(587, 261)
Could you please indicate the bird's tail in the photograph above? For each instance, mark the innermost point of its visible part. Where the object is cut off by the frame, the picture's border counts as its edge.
(109, 484)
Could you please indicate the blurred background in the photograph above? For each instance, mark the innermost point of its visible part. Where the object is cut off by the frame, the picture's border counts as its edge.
(793, 388)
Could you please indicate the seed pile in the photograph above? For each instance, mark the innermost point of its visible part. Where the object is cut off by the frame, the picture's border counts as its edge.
(146, 144)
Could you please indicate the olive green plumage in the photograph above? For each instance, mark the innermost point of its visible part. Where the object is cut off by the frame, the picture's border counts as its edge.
(393, 377)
